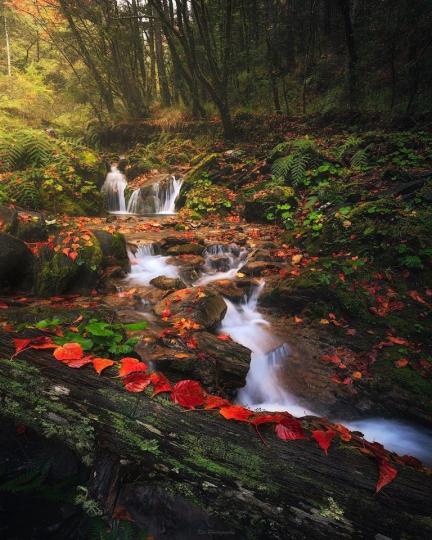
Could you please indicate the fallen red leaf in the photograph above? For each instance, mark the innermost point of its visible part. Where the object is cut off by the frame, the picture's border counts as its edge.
(290, 429)
(136, 382)
(403, 362)
(387, 474)
(21, 344)
(69, 351)
(3, 305)
(188, 394)
(76, 364)
(324, 438)
(131, 365)
(215, 402)
(101, 363)
(160, 383)
(224, 337)
(236, 412)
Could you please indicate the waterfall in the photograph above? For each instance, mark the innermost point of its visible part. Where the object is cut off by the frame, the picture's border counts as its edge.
(146, 265)
(114, 189)
(133, 206)
(222, 262)
(166, 195)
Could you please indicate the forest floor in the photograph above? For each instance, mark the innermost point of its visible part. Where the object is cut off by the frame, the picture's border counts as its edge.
(341, 240)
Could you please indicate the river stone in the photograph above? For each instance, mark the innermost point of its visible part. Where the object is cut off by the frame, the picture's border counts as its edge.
(258, 268)
(204, 306)
(16, 263)
(222, 369)
(186, 249)
(166, 283)
(114, 250)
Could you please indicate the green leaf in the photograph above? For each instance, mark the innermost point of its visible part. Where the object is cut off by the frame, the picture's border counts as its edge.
(101, 329)
(136, 326)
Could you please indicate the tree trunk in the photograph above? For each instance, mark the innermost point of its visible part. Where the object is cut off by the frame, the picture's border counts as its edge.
(345, 8)
(186, 475)
(8, 53)
(160, 61)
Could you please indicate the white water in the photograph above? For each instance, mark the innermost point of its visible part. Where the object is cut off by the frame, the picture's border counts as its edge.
(230, 258)
(162, 201)
(134, 202)
(166, 196)
(246, 326)
(146, 265)
(114, 188)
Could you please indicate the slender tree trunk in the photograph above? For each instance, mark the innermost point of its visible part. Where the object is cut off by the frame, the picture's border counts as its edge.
(345, 8)
(160, 61)
(8, 52)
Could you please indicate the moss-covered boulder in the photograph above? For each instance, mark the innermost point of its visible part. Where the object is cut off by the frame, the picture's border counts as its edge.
(204, 306)
(200, 171)
(186, 249)
(262, 206)
(114, 249)
(61, 270)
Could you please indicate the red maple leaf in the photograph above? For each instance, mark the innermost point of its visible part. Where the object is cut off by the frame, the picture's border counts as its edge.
(324, 438)
(21, 344)
(387, 474)
(136, 382)
(215, 402)
(290, 429)
(188, 394)
(76, 364)
(236, 412)
(69, 351)
(131, 365)
(160, 383)
(224, 337)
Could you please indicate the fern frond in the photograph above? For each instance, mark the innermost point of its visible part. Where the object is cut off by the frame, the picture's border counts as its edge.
(299, 167)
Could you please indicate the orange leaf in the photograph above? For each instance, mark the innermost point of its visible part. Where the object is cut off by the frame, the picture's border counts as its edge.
(160, 383)
(69, 351)
(236, 412)
(73, 255)
(215, 402)
(131, 365)
(224, 337)
(101, 363)
(188, 394)
(403, 362)
(357, 375)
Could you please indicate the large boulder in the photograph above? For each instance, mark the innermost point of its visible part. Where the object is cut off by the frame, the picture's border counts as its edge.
(166, 283)
(204, 306)
(222, 366)
(114, 249)
(31, 227)
(16, 263)
(57, 273)
(8, 219)
(186, 249)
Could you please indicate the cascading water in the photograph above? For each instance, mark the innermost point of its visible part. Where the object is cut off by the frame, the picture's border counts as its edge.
(222, 262)
(134, 202)
(247, 326)
(146, 265)
(114, 189)
(166, 195)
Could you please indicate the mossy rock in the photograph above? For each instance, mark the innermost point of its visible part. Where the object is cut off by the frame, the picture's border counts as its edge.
(31, 227)
(257, 205)
(57, 273)
(186, 249)
(200, 170)
(114, 249)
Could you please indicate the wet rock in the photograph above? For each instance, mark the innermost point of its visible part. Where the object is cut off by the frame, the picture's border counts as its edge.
(8, 219)
(114, 249)
(169, 241)
(16, 263)
(222, 368)
(233, 290)
(186, 249)
(258, 268)
(204, 306)
(166, 283)
(28, 226)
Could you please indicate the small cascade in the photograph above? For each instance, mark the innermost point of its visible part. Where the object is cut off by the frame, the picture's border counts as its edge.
(146, 265)
(222, 261)
(166, 195)
(133, 206)
(114, 190)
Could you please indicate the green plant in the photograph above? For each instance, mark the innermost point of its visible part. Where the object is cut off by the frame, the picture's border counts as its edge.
(293, 167)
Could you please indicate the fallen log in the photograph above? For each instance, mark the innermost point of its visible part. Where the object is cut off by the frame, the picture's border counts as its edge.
(195, 475)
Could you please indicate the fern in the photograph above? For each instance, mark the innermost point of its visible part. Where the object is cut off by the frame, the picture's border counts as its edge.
(299, 167)
(281, 168)
(359, 159)
(23, 191)
(28, 481)
(24, 149)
